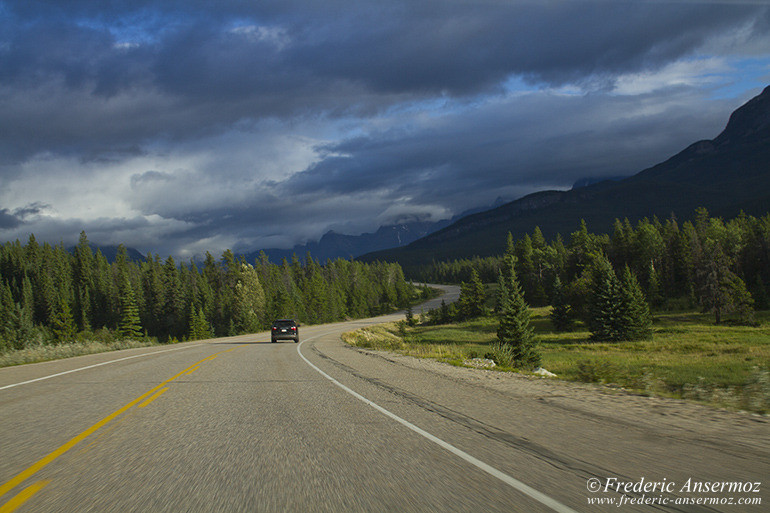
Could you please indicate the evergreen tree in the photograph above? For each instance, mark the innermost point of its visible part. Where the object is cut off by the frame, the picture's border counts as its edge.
(760, 295)
(561, 315)
(721, 290)
(84, 283)
(199, 326)
(445, 315)
(605, 306)
(742, 304)
(174, 312)
(514, 329)
(472, 297)
(618, 309)
(249, 304)
(129, 326)
(410, 320)
(636, 319)
(7, 307)
(654, 291)
(62, 322)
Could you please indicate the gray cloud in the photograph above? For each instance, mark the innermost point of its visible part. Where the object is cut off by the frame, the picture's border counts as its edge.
(7, 220)
(200, 118)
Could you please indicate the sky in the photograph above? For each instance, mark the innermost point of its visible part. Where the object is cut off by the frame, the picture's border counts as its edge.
(181, 127)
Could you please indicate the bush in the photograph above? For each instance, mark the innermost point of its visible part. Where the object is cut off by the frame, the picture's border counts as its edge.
(502, 354)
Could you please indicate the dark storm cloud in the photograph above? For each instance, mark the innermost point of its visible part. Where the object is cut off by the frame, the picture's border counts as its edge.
(8, 220)
(532, 142)
(197, 66)
(402, 107)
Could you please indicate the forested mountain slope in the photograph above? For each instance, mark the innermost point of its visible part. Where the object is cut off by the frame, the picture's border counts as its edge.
(725, 175)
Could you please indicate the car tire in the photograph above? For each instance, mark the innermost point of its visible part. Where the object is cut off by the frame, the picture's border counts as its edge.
(296, 340)
(272, 340)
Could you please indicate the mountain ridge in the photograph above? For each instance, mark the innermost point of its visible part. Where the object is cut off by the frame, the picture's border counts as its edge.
(333, 245)
(726, 175)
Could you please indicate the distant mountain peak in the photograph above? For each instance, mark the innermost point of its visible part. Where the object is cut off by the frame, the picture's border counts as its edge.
(749, 121)
(727, 175)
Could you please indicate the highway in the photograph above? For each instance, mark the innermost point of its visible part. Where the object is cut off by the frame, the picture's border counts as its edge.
(240, 424)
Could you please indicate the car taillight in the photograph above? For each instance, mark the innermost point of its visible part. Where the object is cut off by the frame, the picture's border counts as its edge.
(274, 328)
(293, 328)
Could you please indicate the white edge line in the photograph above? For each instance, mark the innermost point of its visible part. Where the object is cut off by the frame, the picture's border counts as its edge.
(515, 483)
(95, 365)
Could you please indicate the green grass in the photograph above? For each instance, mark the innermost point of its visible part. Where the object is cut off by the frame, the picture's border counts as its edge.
(46, 352)
(689, 357)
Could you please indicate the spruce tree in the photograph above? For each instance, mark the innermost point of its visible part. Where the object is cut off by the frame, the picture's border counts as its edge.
(62, 322)
(410, 320)
(129, 326)
(605, 305)
(618, 308)
(722, 291)
(471, 301)
(199, 326)
(636, 320)
(561, 315)
(514, 329)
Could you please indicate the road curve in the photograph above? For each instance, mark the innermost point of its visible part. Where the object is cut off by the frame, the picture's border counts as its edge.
(240, 424)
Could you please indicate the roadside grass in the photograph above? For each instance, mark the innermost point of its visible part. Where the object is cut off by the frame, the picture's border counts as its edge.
(46, 352)
(689, 356)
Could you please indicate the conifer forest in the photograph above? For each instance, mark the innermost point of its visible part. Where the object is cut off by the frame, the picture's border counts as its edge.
(720, 267)
(49, 294)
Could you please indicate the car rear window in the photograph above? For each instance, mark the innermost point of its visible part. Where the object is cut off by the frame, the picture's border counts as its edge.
(284, 324)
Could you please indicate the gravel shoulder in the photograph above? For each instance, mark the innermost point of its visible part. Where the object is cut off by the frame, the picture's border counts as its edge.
(669, 417)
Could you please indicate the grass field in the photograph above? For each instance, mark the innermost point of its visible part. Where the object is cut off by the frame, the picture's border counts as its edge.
(689, 356)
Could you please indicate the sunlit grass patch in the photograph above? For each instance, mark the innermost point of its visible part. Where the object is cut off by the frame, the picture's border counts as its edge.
(688, 357)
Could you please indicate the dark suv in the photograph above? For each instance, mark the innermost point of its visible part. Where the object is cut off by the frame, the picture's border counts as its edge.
(284, 329)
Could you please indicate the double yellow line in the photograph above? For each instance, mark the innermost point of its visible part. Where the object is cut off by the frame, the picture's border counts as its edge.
(28, 492)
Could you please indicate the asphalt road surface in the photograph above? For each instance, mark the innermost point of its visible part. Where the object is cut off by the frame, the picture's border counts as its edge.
(241, 424)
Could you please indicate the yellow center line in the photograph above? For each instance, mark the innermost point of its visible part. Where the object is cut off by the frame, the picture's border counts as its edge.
(43, 462)
(151, 399)
(192, 370)
(22, 497)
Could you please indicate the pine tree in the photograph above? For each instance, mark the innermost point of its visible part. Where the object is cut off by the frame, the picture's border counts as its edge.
(129, 326)
(637, 323)
(472, 298)
(7, 336)
(199, 326)
(410, 320)
(84, 282)
(561, 315)
(761, 299)
(514, 329)
(654, 287)
(741, 302)
(618, 308)
(721, 291)
(605, 305)
(62, 322)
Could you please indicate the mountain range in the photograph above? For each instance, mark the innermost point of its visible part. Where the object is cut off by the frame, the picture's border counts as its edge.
(333, 245)
(726, 175)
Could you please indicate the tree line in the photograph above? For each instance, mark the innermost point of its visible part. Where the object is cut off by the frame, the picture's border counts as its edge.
(596, 279)
(49, 294)
(722, 267)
